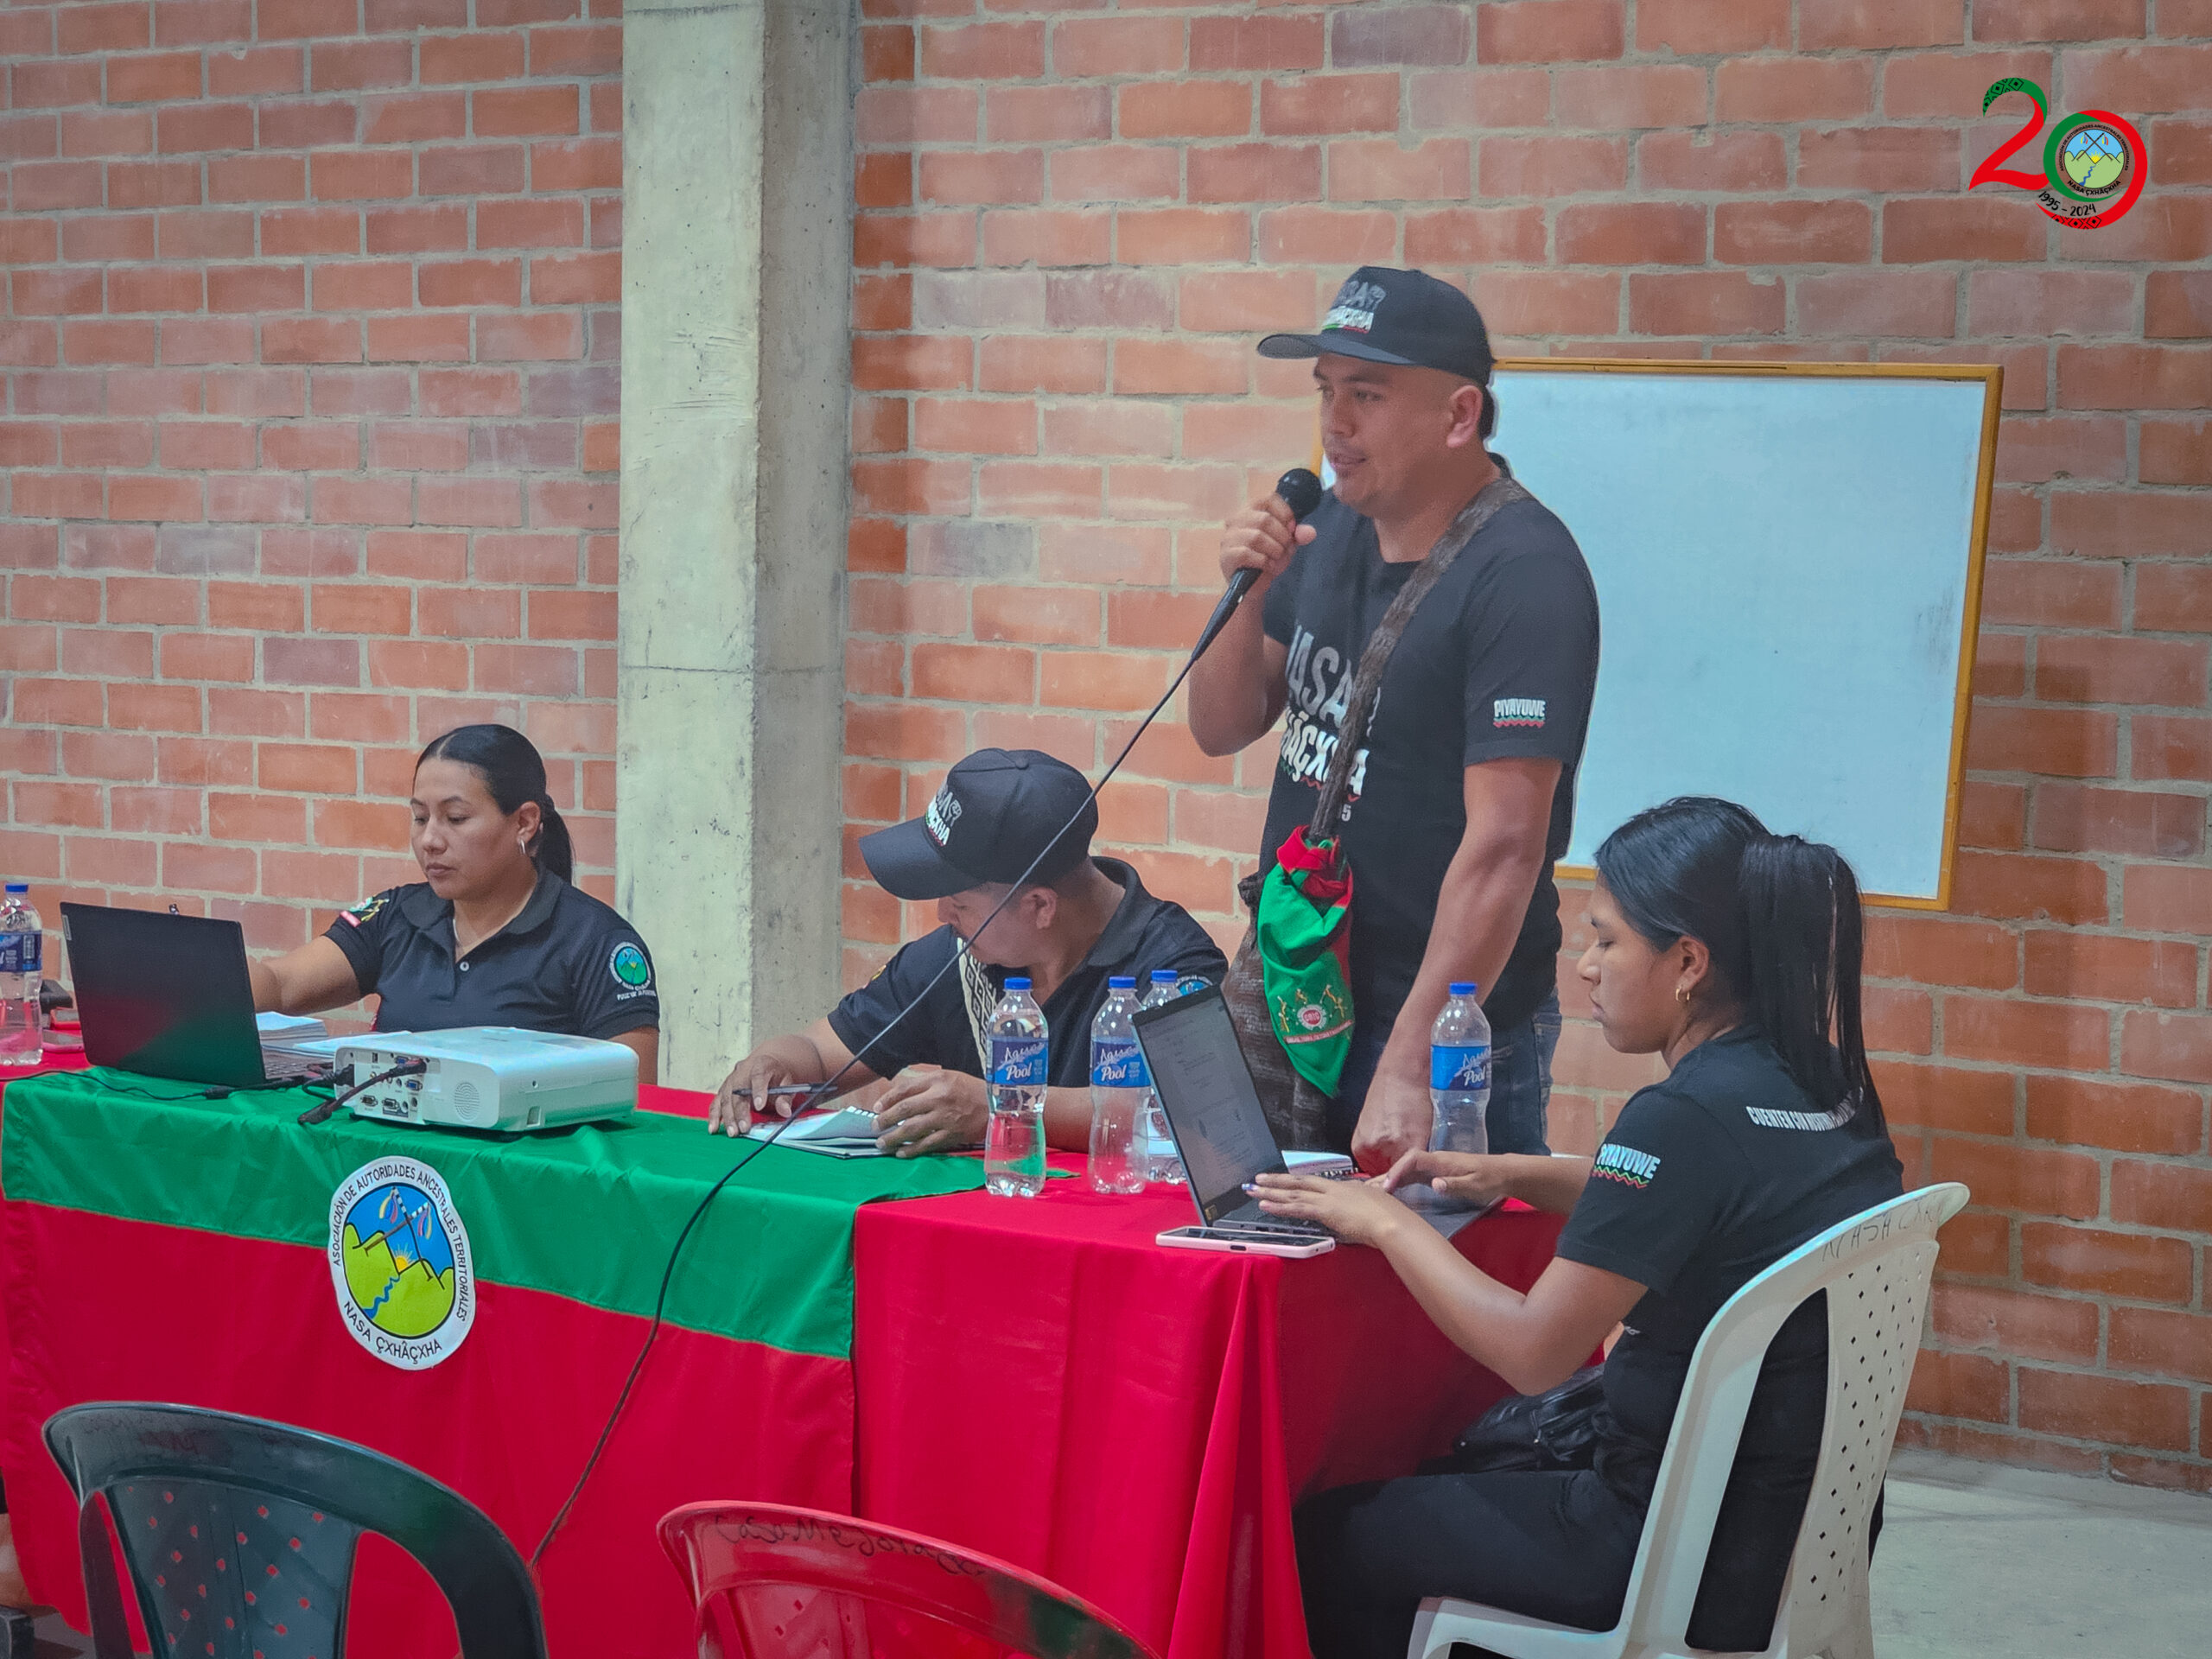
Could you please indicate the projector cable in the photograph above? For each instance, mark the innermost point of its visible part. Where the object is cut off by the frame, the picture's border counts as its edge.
(322, 1111)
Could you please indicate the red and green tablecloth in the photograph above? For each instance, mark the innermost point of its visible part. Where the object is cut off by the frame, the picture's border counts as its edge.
(1037, 1380)
(174, 1249)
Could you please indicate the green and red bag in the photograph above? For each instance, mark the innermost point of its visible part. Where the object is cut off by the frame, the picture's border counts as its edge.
(1304, 929)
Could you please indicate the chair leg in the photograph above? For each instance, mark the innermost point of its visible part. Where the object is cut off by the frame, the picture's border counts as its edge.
(18, 1634)
(1856, 1639)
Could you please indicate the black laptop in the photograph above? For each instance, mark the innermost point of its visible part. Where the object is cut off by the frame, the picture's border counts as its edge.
(168, 996)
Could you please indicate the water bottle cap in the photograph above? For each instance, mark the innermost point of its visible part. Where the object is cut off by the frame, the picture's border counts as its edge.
(19, 887)
(1464, 988)
(1017, 984)
(1121, 981)
(1164, 977)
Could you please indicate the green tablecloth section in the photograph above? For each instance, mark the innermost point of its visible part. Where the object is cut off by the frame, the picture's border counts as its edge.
(588, 1213)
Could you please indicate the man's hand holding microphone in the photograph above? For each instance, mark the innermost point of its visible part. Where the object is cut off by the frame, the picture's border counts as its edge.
(1258, 542)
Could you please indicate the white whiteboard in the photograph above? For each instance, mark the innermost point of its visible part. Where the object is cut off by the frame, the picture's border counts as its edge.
(1789, 570)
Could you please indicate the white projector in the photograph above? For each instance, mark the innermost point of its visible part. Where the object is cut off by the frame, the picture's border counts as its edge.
(492, 1077)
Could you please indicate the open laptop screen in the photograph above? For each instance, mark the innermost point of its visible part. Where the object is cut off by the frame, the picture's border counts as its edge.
(162, 996)
(1206, 1090)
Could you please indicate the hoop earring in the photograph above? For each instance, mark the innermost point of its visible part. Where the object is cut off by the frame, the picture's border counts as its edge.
(1683, 994)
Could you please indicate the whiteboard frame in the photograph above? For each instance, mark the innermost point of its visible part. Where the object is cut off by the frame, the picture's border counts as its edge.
(1991, 377)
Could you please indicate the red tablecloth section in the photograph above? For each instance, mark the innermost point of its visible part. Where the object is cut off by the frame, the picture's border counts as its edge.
(1041, 1381)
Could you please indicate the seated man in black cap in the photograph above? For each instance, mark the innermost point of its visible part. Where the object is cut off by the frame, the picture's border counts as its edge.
(1077, 921)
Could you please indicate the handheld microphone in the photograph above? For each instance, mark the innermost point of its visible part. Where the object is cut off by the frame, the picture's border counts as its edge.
(1301, 490)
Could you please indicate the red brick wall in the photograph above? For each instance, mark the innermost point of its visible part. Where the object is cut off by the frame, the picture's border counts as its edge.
(1075, 221)
(310, 348)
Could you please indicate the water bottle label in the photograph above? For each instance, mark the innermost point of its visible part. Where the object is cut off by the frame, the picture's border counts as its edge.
(1118, 1063)
(21, 953)
(1452, 1069)
(1017, 1062)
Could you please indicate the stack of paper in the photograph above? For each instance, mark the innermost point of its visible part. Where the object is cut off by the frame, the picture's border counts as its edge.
(285, 1037)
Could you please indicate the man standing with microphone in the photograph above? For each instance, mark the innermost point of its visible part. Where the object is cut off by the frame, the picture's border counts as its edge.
(1464, 793)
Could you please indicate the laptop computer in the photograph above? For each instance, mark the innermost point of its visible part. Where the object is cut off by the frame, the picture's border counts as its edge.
(169, 996)
(1214, 1111)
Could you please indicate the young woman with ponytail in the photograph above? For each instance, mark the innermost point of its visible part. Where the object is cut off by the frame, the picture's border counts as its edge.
(494, 935)
(1734, 954)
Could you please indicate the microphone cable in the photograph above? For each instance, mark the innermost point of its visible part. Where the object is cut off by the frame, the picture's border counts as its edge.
(1303, 495)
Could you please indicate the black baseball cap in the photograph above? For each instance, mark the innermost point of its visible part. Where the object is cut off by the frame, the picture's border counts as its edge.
(1406, 317)
(997, 810)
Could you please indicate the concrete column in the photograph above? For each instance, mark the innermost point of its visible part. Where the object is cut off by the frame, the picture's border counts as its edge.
(736, 177)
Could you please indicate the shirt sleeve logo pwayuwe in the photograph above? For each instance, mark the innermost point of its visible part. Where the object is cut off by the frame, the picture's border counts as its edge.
(1626, 1165)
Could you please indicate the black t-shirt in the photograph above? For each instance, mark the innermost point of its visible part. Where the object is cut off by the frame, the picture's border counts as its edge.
(567, 964)
(1144, 933)
(1705, 1181)
(1498, 662)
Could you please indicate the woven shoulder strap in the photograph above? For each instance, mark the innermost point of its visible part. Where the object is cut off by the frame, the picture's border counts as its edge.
(1500, 493)
(980, 998)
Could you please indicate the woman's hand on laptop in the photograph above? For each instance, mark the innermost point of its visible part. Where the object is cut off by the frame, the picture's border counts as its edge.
(1475, 1178)
(1359, 1212)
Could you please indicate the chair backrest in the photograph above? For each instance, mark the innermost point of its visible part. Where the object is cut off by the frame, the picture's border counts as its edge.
(240, 1536)
(771, 1580)
(1875, 1268)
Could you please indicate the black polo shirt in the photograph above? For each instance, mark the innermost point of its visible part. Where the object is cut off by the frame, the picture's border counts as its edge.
(1705, 1181)
(1499, 663)
(1143, 934)
(568, 964)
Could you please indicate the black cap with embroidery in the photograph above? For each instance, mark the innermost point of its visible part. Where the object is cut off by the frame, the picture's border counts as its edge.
(1406, 317)
(997, 810)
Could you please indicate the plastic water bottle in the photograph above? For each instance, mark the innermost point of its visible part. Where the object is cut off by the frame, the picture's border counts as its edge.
(1015, 1069)
(1120, 1091)
(1458, 1073)
(1163, 1162)
(22, 947)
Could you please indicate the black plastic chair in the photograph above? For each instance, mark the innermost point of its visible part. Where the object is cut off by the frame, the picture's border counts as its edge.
(240, 1535)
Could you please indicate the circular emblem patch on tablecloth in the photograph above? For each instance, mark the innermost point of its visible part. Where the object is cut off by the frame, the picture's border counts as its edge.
(399, 1261)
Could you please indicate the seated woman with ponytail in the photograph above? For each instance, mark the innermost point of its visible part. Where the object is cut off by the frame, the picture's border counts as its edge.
(1735, 956)
(494, 935)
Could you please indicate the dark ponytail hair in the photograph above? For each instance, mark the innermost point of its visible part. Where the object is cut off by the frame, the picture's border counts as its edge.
(1780, 916)
(514, 772)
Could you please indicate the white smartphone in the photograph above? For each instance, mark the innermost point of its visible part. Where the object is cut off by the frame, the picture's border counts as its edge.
(1255, 1239)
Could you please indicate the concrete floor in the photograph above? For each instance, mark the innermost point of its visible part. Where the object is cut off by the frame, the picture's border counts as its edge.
(1983, 1561)
(1978, 1560)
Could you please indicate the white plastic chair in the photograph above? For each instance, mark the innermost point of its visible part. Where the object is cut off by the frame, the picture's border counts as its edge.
(1875, 1268)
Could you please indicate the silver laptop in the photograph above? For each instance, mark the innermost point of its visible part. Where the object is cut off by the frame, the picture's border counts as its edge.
(1205, 1089)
